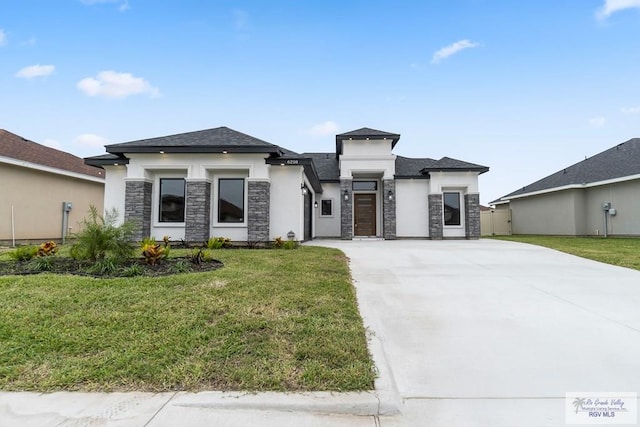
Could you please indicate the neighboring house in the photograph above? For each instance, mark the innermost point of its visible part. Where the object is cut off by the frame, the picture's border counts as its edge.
(36, 180)
(223, 183)
(597, 196)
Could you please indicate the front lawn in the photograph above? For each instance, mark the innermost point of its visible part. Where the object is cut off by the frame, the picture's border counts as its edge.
(624, 252)
(268, 320)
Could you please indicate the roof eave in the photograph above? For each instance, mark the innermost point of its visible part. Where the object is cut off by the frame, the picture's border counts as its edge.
(193, 149)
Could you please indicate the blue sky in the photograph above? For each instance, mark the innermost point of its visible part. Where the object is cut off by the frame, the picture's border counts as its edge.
(525, 88)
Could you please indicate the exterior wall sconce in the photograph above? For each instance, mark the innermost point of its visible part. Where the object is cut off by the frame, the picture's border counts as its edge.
(303, 188)
(390, 193)
(315, 204)
(346, 195)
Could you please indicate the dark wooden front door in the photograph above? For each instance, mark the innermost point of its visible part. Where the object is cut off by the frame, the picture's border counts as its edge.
(364, 214)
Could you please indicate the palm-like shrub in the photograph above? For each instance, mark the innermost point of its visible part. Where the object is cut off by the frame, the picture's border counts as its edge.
(101, 238)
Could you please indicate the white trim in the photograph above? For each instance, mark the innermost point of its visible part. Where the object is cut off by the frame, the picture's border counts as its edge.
(149, 180)
(43, 168)
(571, 187)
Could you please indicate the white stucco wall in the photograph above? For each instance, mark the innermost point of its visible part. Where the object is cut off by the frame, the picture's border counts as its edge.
(114, 186)
(328, 226)
(441, 181)
(287, 202)
(412, 208)
(373, 147)
(367, 157)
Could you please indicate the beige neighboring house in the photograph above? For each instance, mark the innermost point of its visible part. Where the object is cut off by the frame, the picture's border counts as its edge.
(595, 197)
(36, 180)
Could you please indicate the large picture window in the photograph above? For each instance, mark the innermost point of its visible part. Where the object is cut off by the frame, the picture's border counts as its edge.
(171, 200)
(452, 209)
(231, 200)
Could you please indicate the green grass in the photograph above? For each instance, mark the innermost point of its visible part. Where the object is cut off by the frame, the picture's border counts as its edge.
(624, 252)
(269, 320)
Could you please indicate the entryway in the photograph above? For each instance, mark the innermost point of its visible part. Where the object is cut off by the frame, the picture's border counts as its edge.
(364, 214)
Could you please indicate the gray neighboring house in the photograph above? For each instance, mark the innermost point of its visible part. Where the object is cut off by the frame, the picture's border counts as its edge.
(597, 196)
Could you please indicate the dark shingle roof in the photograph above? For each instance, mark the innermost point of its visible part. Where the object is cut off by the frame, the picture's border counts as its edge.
(204, 141)
(617, 162)
(407, 168)
(16, 147)
(327, 166)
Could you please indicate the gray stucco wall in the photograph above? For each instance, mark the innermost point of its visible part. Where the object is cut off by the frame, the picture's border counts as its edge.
(435, 216)
(389, 209)
(137, 207)
(552, 213)
(258, 211)
(197, 211)
(625, 198)
(346, 210)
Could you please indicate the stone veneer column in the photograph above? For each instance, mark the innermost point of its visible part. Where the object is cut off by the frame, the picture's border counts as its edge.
(197, 214)
(137, 207)
(435, 216)
(259, 193)
(388, 209)
(346, 210)
(472, 215)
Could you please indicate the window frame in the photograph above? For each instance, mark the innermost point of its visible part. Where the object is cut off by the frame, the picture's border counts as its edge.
(158, 217)
(218, 200)
(322, 214)
(444, 211)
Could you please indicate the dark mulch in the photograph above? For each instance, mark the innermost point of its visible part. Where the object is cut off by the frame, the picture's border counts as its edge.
(65, 265)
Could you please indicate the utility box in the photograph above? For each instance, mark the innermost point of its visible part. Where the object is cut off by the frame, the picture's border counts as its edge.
(612, 212)
(606, 206)
(67, 206)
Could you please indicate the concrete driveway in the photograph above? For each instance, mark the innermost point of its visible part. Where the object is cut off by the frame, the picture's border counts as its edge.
(493, 333)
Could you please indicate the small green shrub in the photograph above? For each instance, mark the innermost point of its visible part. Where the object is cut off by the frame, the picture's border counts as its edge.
(101, 238)
(23, 253)
(290, 244)
(104, 267)
(132, 270)
(41, 263)
(218, 243)
(197, 256)
(181, 266)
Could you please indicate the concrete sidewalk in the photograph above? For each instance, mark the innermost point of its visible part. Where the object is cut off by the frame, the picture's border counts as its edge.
(464, 333)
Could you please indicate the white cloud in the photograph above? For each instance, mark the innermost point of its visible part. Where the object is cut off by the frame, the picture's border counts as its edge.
(631, 110)
(35, 71)
(90, 140)
(323, 129)
(123, 4)
(3, 37)
(452, 49)
(52, 143)
(597, 122)
(111, 84)
(612, 6)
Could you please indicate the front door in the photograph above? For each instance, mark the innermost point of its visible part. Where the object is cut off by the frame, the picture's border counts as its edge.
(364, 214)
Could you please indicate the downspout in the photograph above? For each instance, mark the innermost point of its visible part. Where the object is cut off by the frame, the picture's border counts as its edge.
(13, 229)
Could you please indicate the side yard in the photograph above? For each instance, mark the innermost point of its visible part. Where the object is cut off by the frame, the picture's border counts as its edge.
(623, 252)
(268, 320)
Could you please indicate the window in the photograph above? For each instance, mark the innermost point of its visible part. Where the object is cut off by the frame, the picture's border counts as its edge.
(231, 200)
(365, 185)
(326, 209)
(451, 208)
(171, 200)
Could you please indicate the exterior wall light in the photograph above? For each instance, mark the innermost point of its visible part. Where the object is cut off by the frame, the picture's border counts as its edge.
(304, 189)
(315, 204)
(390, 195)
(346, 195)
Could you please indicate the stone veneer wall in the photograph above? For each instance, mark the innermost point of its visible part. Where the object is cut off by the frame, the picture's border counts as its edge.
(435, 217)
(346, 210)
(197, 211)
(472, 215)
(388, 209)
(137, 207)
(259, 193)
